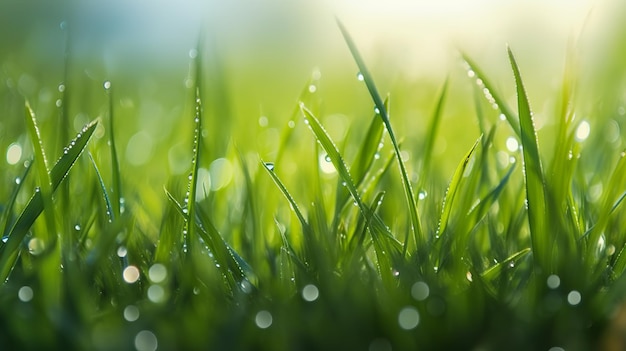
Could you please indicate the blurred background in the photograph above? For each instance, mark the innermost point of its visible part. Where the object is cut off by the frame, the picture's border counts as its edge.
(258, 55)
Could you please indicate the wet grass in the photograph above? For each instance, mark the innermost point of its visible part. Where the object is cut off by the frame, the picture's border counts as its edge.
(323, 244)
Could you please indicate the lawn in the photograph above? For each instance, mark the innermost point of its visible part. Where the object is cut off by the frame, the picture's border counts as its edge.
(207, 201)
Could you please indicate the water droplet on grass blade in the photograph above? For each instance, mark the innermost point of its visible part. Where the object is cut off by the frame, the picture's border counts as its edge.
(422, 194)
(312, 88)
(270, 166)
(360, 76)
(61, 88)
(107, 85)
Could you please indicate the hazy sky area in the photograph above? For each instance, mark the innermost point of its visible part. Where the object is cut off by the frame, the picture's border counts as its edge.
(415, 31)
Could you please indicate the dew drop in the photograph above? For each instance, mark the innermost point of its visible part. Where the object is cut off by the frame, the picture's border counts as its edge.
(312, 88)
(61, 88)
(360, 76)
(107, 85)
(270, 166)
(422, 194)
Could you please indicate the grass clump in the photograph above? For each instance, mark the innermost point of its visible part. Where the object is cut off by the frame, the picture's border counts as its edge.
(500, 256)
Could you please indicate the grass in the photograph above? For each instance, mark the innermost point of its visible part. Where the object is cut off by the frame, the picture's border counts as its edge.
(342, 251)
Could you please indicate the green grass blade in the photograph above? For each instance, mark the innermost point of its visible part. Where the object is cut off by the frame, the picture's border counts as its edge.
(269, 167)
(7, 213)
(44, 175)
(116, 188)
(482, 207)
(369, 148)
(107, 202)
(508, 113)
(533, 176)
(416, 226)
(494, 271)
(453, 187)
(35, 205)
(383, 239)
(431, 135)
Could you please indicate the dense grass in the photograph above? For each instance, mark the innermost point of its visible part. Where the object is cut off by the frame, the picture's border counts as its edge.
(356, 244)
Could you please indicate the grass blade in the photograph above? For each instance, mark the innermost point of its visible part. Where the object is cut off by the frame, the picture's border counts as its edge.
(5, 219)
(533, 176)
(416, 226)
(44, 175)
(116, 188)
(497, 98)
(431, 135)
(452, 190)
(107, 203)
(269, 167)
(384, 241)
(35, 205)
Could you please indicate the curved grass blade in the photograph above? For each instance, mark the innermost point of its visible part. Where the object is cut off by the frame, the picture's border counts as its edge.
(116, 188)
(416, 226)
(189, 230)
(370, 146)
(231, 265)
(107, 203)
(501, 102)
(384, 241)
(608, 206)
(533, 175)
(494, 271)
(6, 214)
(362, 163)
(431, 135)
(35, 205)
(43, 173)
(482, 207)
(452, 190)
(269, 167)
